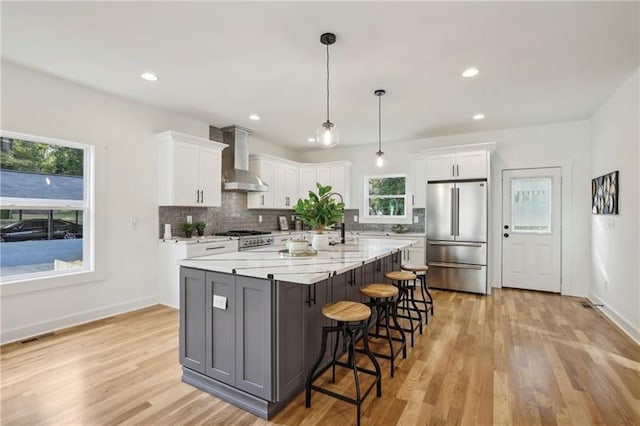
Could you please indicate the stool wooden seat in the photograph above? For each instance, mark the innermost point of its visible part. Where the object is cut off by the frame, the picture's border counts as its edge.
(379, 290)
(415, 268)
(352, 322)
(421, 272)
(382, 300)
(346, 311)
(400, 276)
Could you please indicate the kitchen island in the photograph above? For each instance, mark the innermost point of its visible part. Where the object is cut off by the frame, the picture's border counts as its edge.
(251, 322)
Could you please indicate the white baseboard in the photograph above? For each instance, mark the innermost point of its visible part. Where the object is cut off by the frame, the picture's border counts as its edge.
(617, 319)
(21, 333)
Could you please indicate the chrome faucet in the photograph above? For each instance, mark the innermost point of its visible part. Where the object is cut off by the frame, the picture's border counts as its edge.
(341, 224)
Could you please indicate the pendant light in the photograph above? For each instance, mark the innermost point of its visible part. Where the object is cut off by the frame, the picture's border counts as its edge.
(327, 134)
(381, 161)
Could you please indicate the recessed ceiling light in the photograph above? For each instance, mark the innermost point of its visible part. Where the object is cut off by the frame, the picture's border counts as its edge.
(478, 117)
(312, 140)
(149, 76)
(254, 117)
(470, 72)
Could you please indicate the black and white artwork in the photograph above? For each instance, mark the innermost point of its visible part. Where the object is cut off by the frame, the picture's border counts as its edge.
(604, 194)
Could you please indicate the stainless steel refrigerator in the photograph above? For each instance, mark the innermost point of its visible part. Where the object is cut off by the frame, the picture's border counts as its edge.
(457, 235)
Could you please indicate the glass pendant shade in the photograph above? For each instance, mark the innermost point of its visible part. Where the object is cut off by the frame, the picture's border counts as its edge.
(327, 135)
(381, 160)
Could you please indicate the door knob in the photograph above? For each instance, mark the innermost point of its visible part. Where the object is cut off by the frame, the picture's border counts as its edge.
(506, 227)
(505, 235)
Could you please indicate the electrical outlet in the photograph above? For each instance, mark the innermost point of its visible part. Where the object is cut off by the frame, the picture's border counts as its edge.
(355, 218)
(416, 219)
(259, 218)
(189, 219)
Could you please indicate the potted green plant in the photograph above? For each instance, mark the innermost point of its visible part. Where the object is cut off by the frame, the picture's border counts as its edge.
(319, 211)
(200, 228)
(187, 228)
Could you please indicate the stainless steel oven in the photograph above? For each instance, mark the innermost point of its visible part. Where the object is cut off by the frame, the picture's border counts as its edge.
(248, 240)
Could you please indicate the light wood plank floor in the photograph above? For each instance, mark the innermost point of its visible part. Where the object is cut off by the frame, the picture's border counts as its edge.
(514, 358)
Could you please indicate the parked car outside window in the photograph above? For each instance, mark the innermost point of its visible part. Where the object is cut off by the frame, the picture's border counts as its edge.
(37, 229)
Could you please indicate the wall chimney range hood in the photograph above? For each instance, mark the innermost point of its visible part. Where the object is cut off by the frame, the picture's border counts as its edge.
(236, 176)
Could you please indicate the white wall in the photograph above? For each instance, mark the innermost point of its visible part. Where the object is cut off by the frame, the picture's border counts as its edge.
(126, 188)
(565, 144)
(615, 239)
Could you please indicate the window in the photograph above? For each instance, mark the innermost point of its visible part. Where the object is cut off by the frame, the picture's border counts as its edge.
(531, 205)
(386, 199)
(46, 207)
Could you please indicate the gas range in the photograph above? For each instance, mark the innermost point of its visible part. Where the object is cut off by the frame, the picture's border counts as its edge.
(248, 240)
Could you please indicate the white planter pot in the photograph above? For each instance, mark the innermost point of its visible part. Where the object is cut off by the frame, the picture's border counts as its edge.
(320, 241)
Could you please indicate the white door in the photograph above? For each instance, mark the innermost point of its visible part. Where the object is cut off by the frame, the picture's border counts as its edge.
(531, 243)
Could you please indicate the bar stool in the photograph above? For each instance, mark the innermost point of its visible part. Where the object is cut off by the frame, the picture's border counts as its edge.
(352, 319)
(421, 274)
(402, 280)
(382, 299)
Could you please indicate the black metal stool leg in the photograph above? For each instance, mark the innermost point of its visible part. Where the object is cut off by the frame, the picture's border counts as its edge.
(374, 361)
(323, 348)
(394, 315)
(412, 299)
(333, 360)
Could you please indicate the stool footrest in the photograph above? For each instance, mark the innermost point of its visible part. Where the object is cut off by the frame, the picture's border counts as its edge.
(345, 398)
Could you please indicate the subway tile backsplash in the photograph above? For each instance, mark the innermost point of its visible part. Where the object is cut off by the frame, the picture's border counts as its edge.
(233, 214)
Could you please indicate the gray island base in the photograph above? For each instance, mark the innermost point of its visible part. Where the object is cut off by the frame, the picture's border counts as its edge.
(251, 322)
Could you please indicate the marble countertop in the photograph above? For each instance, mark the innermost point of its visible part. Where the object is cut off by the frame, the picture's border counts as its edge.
(196, 240)
(266, 262)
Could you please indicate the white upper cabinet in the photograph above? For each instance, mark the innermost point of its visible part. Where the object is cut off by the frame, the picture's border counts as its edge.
(190, 170)
(263, 168)
(289, 181)
(285, 185)
(418, 181)
(338, 175)
(459, 165)
(307, 178)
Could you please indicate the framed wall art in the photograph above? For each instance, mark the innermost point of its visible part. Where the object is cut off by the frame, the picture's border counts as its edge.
(282, 221)
(605, 190)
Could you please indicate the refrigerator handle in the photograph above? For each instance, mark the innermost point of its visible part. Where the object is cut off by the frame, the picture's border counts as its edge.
(452, 226)
(457, 211)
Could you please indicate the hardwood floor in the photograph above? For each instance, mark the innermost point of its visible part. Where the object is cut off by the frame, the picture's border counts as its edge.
(515, 357)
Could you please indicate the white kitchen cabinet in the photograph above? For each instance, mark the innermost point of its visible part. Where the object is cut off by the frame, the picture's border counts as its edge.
(171, 252)
(456, 166)
(285, 185)
(264, 169)
(307, 178)
(418, 182)
(190, 170)
(288, 181)
(338, 175)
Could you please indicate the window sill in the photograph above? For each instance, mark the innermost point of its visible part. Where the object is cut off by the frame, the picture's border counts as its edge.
(386, 220)
(32, 284)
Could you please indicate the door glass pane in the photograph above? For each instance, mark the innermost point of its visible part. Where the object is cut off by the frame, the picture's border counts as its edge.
(531, 205)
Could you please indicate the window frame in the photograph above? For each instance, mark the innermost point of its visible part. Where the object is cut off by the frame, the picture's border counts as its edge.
(408, 207)
(16, 284)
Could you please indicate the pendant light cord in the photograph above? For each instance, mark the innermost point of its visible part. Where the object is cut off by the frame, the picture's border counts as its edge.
(379, 123)
(327, 82)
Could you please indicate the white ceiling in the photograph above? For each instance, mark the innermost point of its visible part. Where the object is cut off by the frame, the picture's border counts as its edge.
(219, 62)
